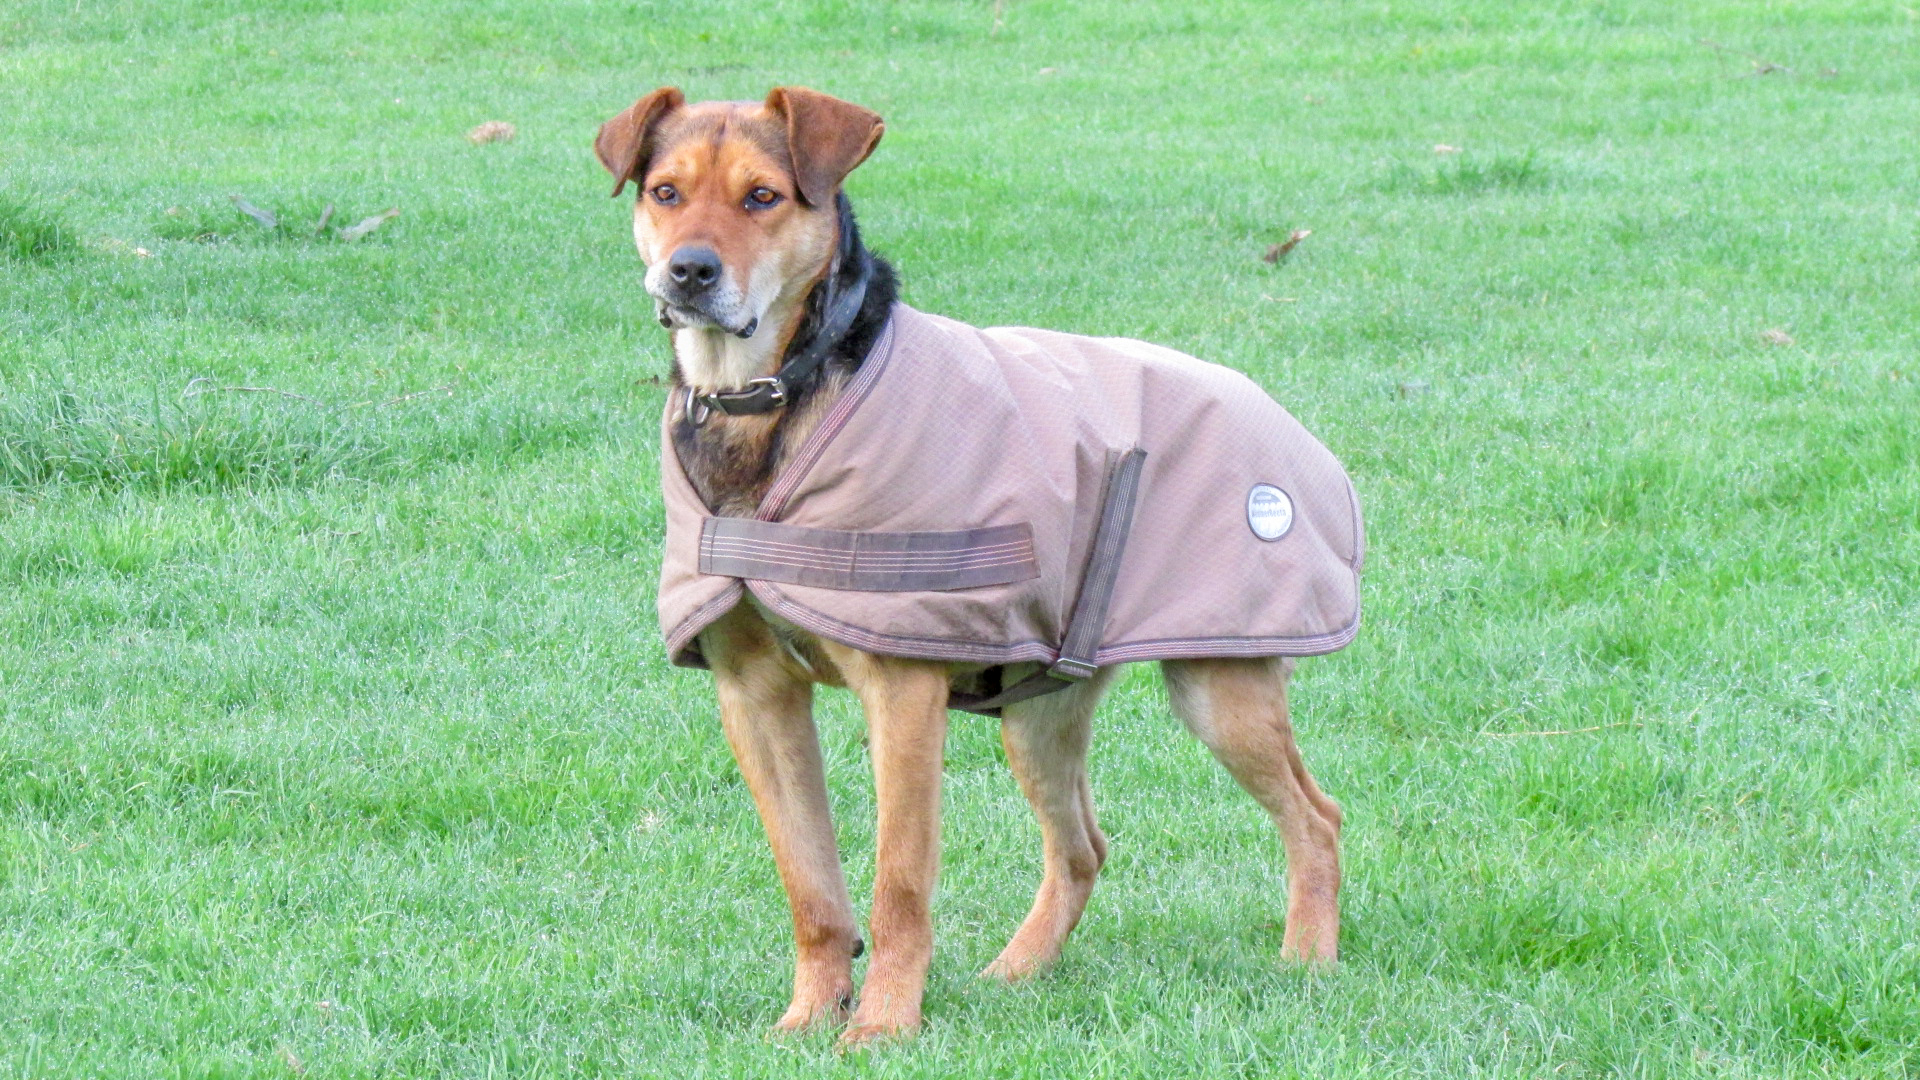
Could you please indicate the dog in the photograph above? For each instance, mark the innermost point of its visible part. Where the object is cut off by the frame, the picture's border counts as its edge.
(754, 263)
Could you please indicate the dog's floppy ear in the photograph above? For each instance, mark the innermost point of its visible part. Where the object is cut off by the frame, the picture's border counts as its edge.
(827, 137)
(624, 141)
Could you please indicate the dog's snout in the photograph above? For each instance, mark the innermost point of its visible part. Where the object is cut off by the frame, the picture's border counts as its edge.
(694, 269)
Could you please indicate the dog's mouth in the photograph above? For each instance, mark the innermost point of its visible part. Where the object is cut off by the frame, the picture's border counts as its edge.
(681, 316)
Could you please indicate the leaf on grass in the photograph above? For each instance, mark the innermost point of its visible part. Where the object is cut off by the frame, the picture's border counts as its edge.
(1443, 148)
(1279, 251)
(367, 225)
(325, 216)
(1776, 337)
(119, 247)
(263, 218)
(491, 131)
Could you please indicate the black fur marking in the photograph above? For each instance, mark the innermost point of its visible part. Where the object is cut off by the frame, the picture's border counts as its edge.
(882, 290)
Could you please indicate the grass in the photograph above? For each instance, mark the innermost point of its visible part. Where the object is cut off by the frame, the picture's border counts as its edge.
(335, 736)
(1469, 175)
(29, 232)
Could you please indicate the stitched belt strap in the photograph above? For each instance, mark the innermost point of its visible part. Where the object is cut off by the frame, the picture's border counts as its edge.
(939, 561)
(867, 561)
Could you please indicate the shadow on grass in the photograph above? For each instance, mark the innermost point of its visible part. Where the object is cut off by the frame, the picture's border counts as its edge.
(234, 220)
(1851, 1006)
(223, 441)
(29, 232)
(1468, 175)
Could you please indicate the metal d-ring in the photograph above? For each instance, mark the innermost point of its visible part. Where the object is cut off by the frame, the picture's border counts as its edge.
(697, 418)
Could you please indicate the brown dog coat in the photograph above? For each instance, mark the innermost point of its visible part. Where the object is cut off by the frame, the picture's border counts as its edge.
(1011, 495)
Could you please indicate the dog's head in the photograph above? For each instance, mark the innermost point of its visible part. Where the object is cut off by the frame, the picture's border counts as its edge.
(736, 205)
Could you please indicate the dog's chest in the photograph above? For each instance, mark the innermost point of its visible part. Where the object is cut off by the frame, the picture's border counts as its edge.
(804, 649)
(731, 461)
(800, 646)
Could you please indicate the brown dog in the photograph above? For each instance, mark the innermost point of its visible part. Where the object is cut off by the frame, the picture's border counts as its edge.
(748, 240)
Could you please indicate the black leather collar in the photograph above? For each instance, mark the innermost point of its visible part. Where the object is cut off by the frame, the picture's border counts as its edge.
(770, 392)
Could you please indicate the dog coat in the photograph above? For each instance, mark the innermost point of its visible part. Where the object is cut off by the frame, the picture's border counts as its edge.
(1012, 495)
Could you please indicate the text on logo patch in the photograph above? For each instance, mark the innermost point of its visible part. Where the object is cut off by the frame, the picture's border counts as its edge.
(1269, 512)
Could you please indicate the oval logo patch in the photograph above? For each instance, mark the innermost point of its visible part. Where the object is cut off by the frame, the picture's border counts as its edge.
(1269, 512)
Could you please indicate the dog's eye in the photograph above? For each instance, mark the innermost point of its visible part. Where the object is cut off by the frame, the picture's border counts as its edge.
(760, 198)
(665, 194)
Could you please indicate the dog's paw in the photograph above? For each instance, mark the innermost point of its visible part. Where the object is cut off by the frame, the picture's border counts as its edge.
(1315, 948)
(867, 1036)
(1026, 956)
(1012, 970)
(809, 1015)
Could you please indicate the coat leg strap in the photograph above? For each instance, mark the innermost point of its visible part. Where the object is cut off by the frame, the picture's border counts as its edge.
(1089, 618)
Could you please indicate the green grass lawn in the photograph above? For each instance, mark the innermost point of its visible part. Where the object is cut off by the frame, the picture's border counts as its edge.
(335, 732)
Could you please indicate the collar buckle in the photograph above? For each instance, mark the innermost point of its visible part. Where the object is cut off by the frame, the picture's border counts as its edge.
(761, 395)
(775, 384)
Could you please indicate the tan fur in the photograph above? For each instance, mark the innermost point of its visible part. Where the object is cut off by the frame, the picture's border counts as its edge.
(1239, 709)
(775, 256)
(1046, 739)
(801, 143)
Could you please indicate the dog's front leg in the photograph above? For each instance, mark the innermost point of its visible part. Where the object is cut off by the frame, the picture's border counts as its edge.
(906, 707)
(766, 706)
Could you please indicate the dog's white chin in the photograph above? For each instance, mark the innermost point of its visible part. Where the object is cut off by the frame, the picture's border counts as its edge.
(679, 317)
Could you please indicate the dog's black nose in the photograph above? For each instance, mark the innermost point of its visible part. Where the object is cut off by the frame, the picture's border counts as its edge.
(694, 269)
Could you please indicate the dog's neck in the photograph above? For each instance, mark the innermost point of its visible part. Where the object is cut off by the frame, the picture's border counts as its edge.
(732, 460)
(709, 359)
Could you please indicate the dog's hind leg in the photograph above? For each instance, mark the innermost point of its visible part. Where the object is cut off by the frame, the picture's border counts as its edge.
(766, 706)
(1046, 740)
(906, 706)
(1239, 709)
